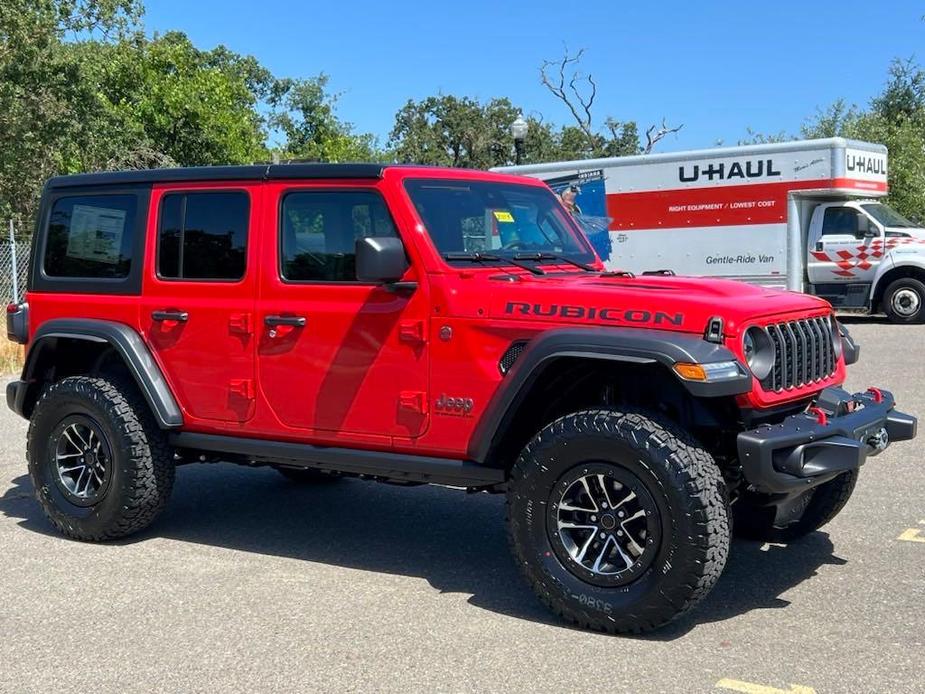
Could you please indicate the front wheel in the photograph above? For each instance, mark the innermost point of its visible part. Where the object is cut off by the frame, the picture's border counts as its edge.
(617, 519)
(904, 301)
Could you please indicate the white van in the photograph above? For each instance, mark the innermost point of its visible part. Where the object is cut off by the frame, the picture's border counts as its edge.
(803, 215)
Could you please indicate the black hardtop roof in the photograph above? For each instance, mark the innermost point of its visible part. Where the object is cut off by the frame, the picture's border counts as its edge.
(255, 172)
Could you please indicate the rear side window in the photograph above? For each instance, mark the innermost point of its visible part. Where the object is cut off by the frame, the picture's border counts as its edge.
(91, 237)
(319, 231)
(203, 236)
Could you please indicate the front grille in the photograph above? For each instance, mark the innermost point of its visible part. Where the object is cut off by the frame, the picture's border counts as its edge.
(803, 353)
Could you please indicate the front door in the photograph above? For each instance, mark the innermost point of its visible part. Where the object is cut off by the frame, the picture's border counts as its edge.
(198, 300)
(337, 356)
(846, 248)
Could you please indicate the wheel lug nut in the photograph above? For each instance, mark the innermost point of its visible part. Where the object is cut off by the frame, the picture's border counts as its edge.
(619, 533)
(621, 514)
(593, 519)
(604, 504)
(602, 536)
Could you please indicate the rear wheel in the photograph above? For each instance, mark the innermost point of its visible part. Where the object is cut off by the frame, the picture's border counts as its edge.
(617, 519)
(755, 519)
(100, 465)
(904, 301)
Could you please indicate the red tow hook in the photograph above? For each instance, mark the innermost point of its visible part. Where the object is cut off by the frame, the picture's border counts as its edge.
(876, 394)
(821, 417)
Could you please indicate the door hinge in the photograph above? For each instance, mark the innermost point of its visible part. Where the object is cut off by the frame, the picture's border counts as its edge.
(240, 323)
(242, 387)
(413, 400)
(412, 331)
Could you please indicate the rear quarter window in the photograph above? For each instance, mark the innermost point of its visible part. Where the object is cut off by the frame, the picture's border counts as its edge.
(91, 237)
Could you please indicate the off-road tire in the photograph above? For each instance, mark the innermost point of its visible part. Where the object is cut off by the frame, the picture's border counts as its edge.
(753, 521)
(307, 475)
(689, 492)
(905, 284)
(142, 467)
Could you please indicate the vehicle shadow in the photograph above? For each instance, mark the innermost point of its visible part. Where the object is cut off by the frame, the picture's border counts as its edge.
(454, 541)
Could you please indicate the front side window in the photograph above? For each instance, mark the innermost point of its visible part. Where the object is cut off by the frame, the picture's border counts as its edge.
(501, 219)
(840, 221)
(319, 231)
(203, 236)
(91, 236)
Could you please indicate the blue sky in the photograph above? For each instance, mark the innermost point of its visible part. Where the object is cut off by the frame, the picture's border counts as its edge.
(716, 67)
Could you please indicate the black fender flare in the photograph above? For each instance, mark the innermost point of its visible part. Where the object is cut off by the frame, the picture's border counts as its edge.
(628, 345)
(128, 345)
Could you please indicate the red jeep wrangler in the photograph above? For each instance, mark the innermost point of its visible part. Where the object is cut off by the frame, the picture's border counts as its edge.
(422, 325)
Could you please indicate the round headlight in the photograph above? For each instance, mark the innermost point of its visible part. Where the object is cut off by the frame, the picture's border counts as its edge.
(759, 352)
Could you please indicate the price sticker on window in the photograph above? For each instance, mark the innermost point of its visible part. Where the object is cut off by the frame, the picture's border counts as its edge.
(504, 216)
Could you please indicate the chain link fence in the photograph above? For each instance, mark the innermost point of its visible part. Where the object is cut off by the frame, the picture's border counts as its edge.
(22, 253)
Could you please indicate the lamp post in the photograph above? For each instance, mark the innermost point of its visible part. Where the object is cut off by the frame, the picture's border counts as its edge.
(519, 132)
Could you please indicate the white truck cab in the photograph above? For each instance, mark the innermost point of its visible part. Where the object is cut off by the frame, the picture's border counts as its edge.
(864, 255)
(803, 215)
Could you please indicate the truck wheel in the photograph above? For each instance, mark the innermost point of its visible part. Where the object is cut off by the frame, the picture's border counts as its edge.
(100, 465)
(617, 519)
(904, 301)
(307, 475)
(754, 520)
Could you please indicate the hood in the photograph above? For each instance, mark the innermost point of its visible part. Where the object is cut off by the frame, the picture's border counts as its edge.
(665, 302)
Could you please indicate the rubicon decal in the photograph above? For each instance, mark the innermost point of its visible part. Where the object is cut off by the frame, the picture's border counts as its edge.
(594, 313)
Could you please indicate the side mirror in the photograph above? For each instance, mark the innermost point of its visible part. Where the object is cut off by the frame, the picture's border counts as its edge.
(863, 229)
(380, 259)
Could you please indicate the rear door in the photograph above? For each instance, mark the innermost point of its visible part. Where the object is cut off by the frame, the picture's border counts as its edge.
(198, 299)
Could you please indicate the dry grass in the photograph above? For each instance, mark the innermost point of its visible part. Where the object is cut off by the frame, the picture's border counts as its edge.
(10, 357)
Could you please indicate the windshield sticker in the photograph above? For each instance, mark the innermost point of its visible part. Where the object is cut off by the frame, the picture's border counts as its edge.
(96, 234)
(504, 216)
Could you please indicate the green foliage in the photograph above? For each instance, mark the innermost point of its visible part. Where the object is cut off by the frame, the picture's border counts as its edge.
(447, 130)
(895, 118)
(82, 89)
(304, 113)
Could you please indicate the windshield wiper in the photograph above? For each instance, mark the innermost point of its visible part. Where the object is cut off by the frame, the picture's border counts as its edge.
(479, 257)
(553, 256)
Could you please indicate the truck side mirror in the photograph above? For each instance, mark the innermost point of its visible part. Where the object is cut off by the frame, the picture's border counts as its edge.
(380, 259)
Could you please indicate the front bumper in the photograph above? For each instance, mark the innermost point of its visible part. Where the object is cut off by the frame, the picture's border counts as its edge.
(835, 435)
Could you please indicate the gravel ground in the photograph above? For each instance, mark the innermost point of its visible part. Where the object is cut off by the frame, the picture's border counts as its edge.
(248, 583)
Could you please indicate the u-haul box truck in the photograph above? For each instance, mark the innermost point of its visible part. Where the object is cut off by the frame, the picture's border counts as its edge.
(802, 215)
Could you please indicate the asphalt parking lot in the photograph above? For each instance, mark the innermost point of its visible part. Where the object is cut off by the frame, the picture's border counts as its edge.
(248, 583)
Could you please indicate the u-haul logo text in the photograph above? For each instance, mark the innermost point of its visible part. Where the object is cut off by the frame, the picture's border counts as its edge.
(873, 164)
(725, 171)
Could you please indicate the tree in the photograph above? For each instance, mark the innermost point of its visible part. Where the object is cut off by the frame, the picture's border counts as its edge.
(304, 113)
(41, 92)
(454, 131)
(577, 90)
(895, 118)
(163, 101)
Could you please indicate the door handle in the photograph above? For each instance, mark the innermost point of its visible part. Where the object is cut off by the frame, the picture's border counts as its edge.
(178, 316)
(294, 321)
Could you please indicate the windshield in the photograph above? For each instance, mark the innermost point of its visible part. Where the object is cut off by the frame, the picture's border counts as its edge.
(887, 216)
(504, 219)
